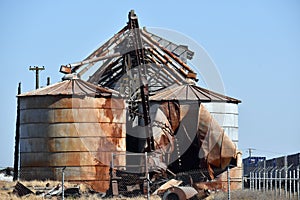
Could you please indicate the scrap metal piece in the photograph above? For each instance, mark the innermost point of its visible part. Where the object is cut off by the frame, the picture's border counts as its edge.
(21, 190)
(166, 186)
(55, 191)
(180, 193)
(72, 192)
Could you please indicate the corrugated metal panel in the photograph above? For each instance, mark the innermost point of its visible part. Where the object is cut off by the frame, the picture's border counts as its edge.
(73, 130)
(215, 144)
(232, 133)
(220, 107)
(226, 120)
(71, 87)
(227, 116)
(86, 115)
(236, 180)
(189, 92)
(79, 132)
(79, 144)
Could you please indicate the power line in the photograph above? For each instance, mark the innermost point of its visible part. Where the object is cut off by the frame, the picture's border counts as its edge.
(251, 150)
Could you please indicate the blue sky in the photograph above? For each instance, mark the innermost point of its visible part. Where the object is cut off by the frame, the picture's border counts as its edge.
(254, 44)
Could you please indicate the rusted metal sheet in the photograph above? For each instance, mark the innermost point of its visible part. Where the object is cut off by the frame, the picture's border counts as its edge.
(214, 146)
(66, 101)
(78, 144)
(73, 173)
(167, 185)
(88, 115)
(71, 86)
(181, 192)
(221, 182)
(21, 190)
(188, 92)
(114, 130)
(80, 132)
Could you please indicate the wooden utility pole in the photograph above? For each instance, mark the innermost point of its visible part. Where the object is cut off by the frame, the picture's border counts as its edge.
(250, 151)
(17, 138)
(37, 69)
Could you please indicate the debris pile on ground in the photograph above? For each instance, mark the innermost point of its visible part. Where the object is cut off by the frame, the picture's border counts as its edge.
(6, 174)
(46, 192)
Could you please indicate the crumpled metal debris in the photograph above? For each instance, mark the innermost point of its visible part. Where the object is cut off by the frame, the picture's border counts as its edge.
(180, 192)
(166, 186)
(21, 190)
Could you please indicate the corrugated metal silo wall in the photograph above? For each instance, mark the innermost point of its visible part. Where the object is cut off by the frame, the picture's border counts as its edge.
(226, 115)
(79, 133)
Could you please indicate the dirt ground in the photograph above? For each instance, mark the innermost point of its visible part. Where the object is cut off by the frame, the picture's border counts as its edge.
(6, 189)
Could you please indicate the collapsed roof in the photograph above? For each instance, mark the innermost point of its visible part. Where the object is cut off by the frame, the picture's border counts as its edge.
(113, 65)
(164, 61)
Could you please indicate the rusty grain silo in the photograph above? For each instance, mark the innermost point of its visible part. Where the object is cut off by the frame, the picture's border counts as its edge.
(75, 124)
(216, 146)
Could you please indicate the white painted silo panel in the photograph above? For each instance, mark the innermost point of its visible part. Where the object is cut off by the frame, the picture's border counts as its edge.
(226, 120)
(221, 107)
(226, 114)
(232, 133)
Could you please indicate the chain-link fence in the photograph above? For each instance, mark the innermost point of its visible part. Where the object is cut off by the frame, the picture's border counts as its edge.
(139, 177)
(132, 178)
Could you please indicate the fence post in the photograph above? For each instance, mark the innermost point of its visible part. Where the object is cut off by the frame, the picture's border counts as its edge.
(285, 176)
(264, 176)
(290, 189)
(298, 182)
(147, 176)
(255, 181)
(250, 184)
(250, 180)
(63, 183)
(294, 183)
(228, 182)
(259, 180)
(275, 178)
(279, 187)
(267, 179)
(285, 182)
(271, 178)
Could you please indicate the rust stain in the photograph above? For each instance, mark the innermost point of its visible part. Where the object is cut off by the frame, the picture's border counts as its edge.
(68, 145)
(221, 183)
(216, 148)
(214, 141)
(117, 131)
(172, 111)
(108, 111)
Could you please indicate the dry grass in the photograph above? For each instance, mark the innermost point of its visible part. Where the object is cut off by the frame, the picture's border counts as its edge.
(6, 189)
(247, 195)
